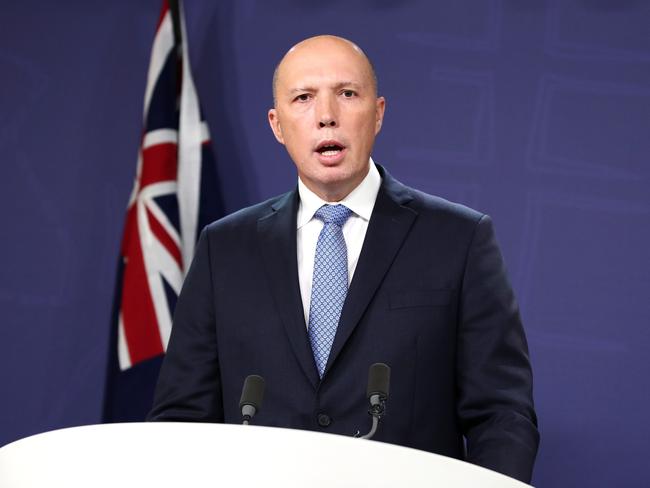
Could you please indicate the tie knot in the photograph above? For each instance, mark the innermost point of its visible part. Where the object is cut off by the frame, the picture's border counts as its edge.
(333, 214)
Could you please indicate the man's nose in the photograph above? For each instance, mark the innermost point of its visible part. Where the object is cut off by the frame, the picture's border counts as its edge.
(327, 114)
(327, 122)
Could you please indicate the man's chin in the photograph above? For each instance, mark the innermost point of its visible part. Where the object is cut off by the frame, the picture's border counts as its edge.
(333, 184)
(334, 176)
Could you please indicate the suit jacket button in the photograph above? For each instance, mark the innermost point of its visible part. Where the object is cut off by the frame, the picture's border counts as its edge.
(324, 420)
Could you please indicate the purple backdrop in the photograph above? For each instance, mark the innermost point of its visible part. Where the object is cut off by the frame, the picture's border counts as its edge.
(537, 112)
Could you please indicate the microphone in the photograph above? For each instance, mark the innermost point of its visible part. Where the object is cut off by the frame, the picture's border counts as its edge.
(378, 384)
(252, 395)
(377, 393)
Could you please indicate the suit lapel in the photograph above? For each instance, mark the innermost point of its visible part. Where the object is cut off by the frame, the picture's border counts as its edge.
(277, 232)
(387, 229)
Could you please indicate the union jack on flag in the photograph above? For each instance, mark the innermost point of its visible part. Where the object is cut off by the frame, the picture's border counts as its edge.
(173, 197)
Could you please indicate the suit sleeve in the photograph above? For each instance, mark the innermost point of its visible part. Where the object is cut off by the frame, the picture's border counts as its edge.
(495, 404)
(189, 385)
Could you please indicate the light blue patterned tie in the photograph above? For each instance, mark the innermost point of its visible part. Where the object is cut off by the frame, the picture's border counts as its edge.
(330, 283)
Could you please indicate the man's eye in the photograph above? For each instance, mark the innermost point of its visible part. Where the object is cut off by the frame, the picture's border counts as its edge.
(348, 93)
(303, 97)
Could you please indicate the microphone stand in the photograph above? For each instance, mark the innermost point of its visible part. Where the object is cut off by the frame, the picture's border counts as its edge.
(376, 410)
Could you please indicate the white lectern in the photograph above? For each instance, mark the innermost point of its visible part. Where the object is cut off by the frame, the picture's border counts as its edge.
(180, 455)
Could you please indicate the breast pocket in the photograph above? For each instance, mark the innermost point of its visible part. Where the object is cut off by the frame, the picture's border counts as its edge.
(420, 298)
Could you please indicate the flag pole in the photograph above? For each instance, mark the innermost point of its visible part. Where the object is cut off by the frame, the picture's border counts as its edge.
(176, 22)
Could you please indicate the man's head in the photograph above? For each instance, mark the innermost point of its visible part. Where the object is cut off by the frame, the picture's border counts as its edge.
(327, 113)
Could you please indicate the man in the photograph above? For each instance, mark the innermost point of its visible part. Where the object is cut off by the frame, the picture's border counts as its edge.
(351, 268)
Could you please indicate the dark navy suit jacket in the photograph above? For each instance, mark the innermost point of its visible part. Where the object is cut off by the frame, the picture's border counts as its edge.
(429, 297)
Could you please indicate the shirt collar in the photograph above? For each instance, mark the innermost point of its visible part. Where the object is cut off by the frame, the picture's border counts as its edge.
(361, 200)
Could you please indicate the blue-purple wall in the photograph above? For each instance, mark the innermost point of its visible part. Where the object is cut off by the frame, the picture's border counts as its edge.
(537, 112)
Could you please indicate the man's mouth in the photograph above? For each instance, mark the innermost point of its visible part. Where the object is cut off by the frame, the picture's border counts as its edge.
(329, 148)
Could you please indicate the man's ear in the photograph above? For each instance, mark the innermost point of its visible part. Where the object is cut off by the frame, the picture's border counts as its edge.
(380, 107)
(274, 122)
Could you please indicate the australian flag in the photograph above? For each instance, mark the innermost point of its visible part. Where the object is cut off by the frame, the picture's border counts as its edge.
(174, 195)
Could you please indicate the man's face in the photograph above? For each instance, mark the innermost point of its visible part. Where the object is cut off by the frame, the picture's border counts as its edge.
(327, 114)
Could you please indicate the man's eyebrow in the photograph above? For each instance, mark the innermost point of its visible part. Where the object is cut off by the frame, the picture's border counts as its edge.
(337, 86)
(351, 84)
(301, 89)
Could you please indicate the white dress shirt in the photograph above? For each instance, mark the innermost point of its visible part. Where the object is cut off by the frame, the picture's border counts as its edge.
(361, 201)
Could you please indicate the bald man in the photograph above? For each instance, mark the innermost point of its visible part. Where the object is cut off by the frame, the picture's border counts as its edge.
(350, 268)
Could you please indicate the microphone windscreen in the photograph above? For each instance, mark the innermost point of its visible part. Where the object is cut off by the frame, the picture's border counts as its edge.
(253, 392)
(378, 380)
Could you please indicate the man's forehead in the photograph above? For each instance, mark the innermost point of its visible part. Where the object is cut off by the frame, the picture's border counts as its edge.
(324, 57)
(325, 61)
(325, 75)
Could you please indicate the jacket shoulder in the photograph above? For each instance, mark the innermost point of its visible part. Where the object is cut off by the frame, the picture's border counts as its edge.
(248, 216)
(436, 206)
(437, 216)
(426, 205)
